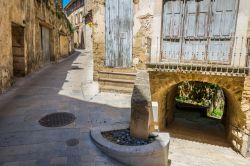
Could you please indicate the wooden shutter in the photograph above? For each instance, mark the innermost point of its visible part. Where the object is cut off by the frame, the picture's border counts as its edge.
(125, 33)
(199, 31)
(172, 30)
(195, 31)
(112, 32)
(223, 22)
(119, 19)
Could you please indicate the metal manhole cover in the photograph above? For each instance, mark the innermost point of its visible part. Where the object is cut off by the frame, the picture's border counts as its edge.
(72, 142)
(57, 119)
(76, 68)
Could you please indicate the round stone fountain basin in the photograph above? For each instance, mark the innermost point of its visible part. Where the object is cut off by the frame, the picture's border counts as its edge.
(155, 153)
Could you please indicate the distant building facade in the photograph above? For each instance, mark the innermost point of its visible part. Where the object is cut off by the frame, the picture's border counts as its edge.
(79, 13)
(33, 34)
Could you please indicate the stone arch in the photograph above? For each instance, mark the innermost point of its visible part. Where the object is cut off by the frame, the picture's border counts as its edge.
(163, 86)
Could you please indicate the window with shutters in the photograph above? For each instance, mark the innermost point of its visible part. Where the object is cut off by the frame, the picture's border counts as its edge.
(198, 31)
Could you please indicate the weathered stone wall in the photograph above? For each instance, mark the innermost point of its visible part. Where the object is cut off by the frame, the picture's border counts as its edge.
(88, 28)
(64, 46)
(142, 32)
(147, 31)
(245, 108)
(31, 15)
(88, 5)
(156, 36)
(248, 31)
(98, 36)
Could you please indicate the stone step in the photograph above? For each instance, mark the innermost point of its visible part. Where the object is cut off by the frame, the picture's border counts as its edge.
(116, 89)
(116, 82)
(117, 75)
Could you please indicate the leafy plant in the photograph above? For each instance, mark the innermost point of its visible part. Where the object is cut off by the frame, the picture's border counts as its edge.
(202, 94)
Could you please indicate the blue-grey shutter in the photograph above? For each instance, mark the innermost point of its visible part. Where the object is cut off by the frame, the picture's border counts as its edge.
(223, 22)
(112, 32)
(119, 23)
(195, 31)
(172, 30)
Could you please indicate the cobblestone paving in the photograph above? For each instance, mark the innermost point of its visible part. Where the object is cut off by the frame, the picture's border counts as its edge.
(56, 88)
(184, 152)
(67, 87)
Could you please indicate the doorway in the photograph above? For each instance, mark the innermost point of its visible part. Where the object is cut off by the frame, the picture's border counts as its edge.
(198, 113)
(45, 40)
(18, 50)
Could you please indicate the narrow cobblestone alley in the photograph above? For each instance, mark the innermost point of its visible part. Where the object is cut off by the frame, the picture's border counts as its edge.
(57, 88)
(68, 87)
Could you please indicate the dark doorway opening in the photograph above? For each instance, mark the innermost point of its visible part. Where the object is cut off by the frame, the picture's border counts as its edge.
(198, 113)
(45, 42)
(18, 50)
(82, 44)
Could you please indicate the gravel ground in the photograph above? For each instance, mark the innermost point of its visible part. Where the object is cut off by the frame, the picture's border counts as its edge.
(123, 137)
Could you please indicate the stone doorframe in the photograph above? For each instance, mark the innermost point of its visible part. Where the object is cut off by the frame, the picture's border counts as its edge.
(160, 87)
(18, 50)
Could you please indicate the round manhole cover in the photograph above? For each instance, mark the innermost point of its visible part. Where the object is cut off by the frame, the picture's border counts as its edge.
(72, 142)
(57, 119)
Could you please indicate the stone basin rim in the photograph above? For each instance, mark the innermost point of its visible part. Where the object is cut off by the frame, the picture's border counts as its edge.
(95, 133)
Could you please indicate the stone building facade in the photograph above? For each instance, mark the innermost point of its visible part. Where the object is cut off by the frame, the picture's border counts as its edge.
(147, 23)
(75, 12)
(78, 12)
(33, 33)
(169, 57)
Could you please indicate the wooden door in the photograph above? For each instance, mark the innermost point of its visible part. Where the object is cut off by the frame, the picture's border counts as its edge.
(18, 50)
(45, 45)
(119, 22)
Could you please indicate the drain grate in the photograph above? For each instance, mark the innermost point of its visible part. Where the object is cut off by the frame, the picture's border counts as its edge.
(57, 119)
(72, 142)
(76, 68)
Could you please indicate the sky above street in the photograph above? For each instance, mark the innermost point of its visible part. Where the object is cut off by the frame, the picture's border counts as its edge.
(65, 2)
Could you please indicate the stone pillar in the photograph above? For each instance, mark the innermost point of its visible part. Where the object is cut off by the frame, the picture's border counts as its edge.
(245, 108)
(141, 106)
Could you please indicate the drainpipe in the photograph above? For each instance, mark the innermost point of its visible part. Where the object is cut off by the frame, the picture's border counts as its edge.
(84, 38)
(1, 81)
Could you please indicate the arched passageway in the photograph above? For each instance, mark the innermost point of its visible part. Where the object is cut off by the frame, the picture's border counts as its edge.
(197, 113)
(163, 87)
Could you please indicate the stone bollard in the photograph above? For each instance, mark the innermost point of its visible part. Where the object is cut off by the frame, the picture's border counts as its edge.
(141, 107)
